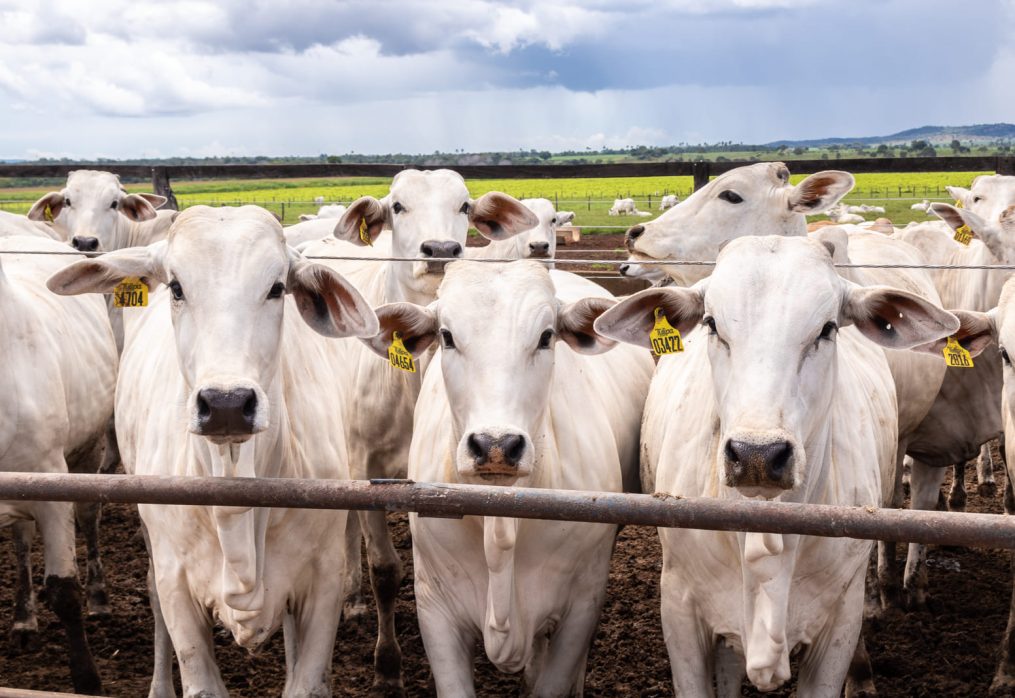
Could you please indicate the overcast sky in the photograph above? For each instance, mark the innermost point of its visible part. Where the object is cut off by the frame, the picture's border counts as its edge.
(245, 77)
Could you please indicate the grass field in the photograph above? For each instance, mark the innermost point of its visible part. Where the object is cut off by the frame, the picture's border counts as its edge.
(589, 198)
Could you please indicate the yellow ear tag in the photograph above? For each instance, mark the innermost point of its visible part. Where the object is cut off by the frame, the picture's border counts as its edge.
(48, 213)
(963, 235)
(956, 355)
(132, 292)
(399, 356)
(363, 235)
(665, 338)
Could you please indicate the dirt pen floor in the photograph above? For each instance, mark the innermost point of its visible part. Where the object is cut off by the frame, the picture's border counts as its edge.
(947, 650)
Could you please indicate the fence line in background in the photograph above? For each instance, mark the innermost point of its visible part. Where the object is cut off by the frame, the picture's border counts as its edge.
(455, 501)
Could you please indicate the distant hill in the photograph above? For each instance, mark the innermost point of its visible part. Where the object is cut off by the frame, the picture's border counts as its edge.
(978, 133)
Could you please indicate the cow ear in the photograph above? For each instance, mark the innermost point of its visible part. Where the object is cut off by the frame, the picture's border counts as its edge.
(820, 191)
(363, 221)
(102, 274)
(990, 236)
(136, 208)
(155, 200)
(52, 201)
(416, 327)
(576, 325)
(327, 302)
(632, 319)
(895, 319)
(960, 194)
(498, 216)
(565, 217)
(976, 332)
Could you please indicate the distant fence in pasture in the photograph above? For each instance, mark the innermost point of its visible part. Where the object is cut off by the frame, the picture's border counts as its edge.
(163, 175)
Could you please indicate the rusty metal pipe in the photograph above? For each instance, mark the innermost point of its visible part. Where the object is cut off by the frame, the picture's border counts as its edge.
(446, 500)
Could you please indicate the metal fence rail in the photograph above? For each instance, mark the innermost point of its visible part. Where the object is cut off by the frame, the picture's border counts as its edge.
(454, 501)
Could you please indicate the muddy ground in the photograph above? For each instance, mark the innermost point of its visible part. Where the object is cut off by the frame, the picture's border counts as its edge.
(947, 650)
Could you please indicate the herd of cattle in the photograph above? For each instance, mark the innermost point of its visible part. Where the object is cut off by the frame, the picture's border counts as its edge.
(783, 376)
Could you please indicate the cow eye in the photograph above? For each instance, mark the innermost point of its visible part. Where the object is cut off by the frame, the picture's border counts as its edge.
(447, 340)
(545, 339)
(553, 221)
(977, 199)
(114, 204)
(66, 202)
(466, 209)
(828, 330)
(731, 196)
(397, 207)
(277, 290)
(709, 322)
(1004, 356)
(176, 290)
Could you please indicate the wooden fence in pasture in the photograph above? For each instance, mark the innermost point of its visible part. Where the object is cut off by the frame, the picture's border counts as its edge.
(162, 176)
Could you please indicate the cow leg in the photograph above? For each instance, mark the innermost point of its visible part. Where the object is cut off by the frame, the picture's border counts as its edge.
(191, 631)
(315, 624)
(688, 643)
(926, 486)
(730, 670)
(889, 580)
(957, 493)
(1004, 677)
(449, 649)
(88, 515)
(1009, 497)
(355, 606)
(63, 590)
(826, 661)
(986, 485)
(25, 630)
(162, 673)
(385, 579)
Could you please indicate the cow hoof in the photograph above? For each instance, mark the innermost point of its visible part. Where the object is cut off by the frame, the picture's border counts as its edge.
(987, 489)
(915, 601)
(387, 689)
(1002, 685)
(864, 689)
(24, 639)
(99, 611)
(957, 503)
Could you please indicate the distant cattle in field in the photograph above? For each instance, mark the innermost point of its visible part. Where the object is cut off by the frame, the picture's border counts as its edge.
(668, 201)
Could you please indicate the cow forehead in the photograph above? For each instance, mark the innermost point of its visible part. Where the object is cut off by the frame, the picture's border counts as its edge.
(789, 273)
(541, 207)
(1004, 184)
(766, 174)
(501, 293)
(92, 181)
(415, 183)
(202, 233)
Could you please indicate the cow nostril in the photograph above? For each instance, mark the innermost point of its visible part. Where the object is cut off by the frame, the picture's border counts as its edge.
(203, 408)
(731, 451)
(455, 249)
(513, 448)
(250, 406)
(778, 458)
(426, 249)
(479, 447)
(623, 269)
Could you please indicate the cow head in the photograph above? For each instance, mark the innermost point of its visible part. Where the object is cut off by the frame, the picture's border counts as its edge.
(429, 213)
(988, 208)
(772, 310)
(753, 200)
(91, 210)
(538, 242)
(498, 327)
(228, 271)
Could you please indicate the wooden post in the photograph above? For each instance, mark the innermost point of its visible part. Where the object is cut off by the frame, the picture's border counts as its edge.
(160, 186)
(700, 171)
(1006, 165)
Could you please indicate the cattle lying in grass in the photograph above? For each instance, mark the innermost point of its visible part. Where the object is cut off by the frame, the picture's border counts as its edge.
(782, 395)
(538, 242)
(95, 214)
(326, 211)
(57, 378)
(517, 395)
(243, 386)
(625, 207)
(426, 216)
(668, 201)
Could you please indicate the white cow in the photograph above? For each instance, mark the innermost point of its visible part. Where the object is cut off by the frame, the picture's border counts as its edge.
(243, 386)
(318, 200)
(426, 216)
(778, 397)
(922, 206)
(57, 380)
(539, 242)
(668, 201)
(565, 218)
(840, 214)
(13, 224)
(95, 214)
(758, 198)
(326, 211)
(622, 207)
(648, 272)
(512, 399)
(864, 208)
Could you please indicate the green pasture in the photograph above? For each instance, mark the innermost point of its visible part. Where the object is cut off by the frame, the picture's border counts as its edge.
(589, 198)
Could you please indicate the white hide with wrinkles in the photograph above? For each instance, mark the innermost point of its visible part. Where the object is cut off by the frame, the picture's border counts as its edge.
(251, 569)
(13, 224)
(766, 594)
(509, 582)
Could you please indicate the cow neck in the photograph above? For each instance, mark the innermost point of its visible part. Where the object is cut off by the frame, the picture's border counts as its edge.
(241, 531)
(401, 286)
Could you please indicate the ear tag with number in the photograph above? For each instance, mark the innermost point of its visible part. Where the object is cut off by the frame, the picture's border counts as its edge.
(48, 213)
(963, 235)
(956, 355)
(363, 234)
(665, 338)
(399, 356)
(132, 292)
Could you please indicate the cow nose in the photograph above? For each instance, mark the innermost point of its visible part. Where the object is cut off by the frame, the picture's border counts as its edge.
(624, 269)
(769, 463)
(226, 412)
(85, 244)
(506, 449)
(539, 249)
(442, 249)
